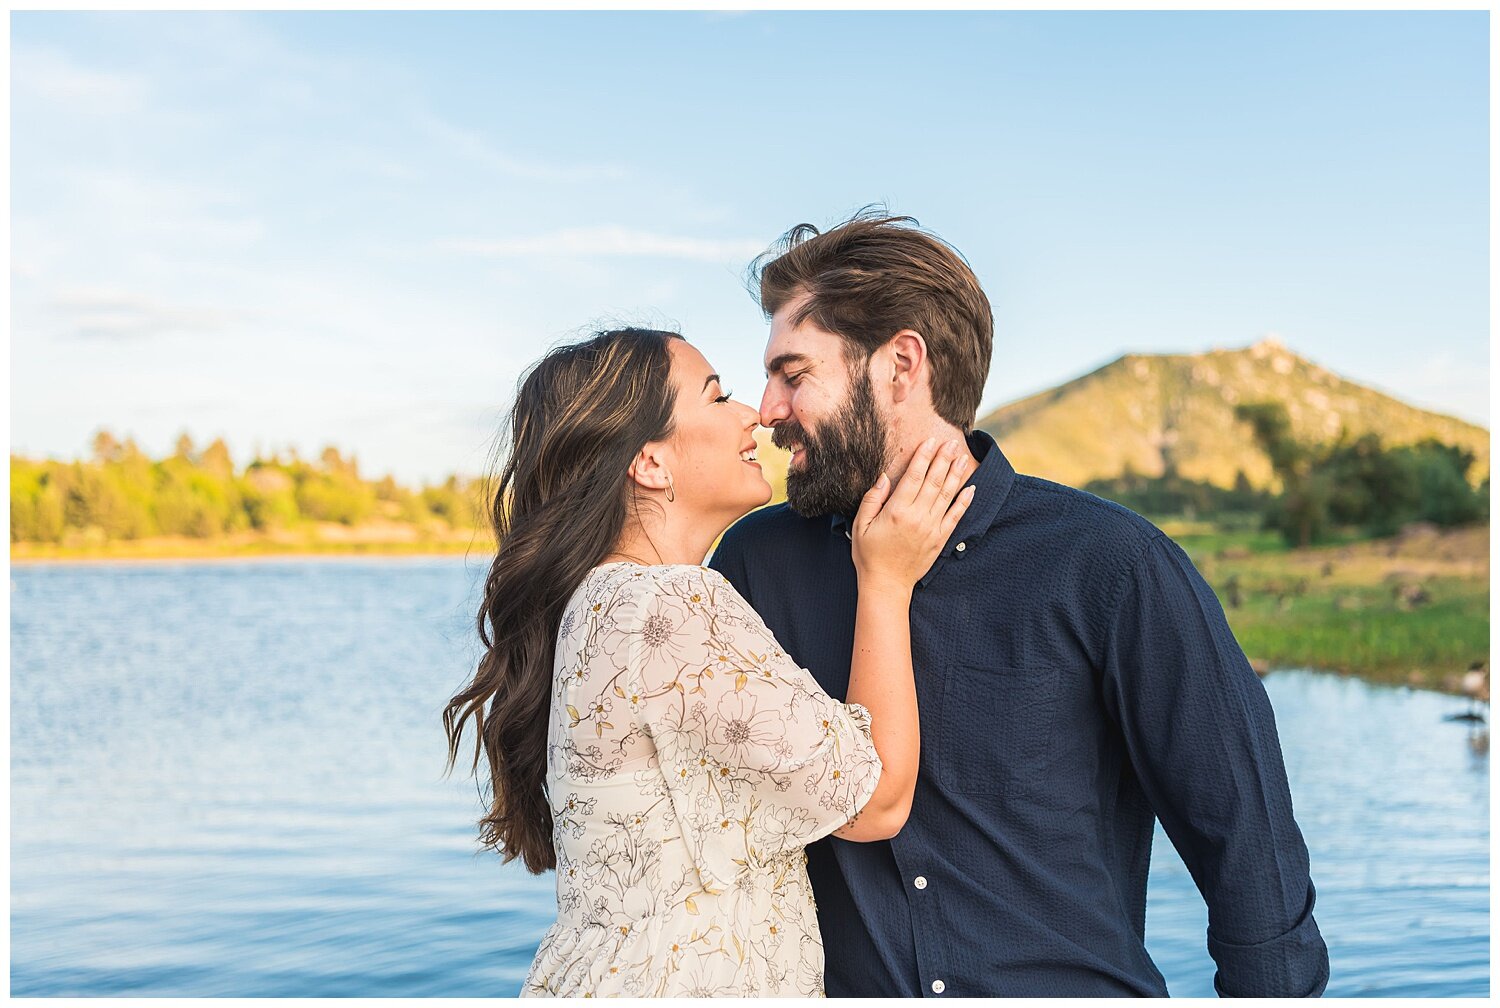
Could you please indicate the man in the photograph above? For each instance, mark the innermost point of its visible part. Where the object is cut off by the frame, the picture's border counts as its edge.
(1075, 675)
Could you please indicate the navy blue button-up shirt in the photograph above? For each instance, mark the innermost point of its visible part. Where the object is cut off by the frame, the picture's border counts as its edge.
(1076, 679)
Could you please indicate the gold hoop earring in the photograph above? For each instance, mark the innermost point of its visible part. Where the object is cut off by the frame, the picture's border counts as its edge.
(671, 491)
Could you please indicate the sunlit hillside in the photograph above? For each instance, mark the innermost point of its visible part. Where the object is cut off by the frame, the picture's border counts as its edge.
(1144, 412)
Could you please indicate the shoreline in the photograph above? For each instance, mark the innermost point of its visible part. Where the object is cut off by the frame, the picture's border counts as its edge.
(147, 561)
(341, 551)
(1410, 610)
(1435, 688)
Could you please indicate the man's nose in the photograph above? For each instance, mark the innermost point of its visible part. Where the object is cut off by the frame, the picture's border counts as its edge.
(774, 407)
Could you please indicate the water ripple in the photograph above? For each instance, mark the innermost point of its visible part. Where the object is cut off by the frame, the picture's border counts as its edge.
(228, 782)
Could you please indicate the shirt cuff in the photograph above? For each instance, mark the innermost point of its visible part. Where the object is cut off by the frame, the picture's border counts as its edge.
(1294, 964)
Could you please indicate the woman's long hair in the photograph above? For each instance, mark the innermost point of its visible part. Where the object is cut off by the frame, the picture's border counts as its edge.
(561, 502)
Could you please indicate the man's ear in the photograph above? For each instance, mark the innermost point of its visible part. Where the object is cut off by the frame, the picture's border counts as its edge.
(908, 359)
(650, 468)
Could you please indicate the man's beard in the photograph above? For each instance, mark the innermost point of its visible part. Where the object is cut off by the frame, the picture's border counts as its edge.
(841, 460)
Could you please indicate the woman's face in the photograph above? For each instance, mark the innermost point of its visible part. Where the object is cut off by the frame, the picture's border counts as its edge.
(714, 446)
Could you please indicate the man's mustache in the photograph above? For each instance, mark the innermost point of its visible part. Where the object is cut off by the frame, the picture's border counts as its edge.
(788, 433)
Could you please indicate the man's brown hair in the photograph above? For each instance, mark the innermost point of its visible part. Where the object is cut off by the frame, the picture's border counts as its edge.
(875, 275)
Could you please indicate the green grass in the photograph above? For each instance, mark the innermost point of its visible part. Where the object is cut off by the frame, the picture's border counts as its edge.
(1335, 607)
(1360, 630)
(1200, 539)
(1204, 538)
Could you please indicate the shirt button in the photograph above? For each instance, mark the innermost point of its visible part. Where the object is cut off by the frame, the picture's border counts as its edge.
(920, 881)
(960, 547)
(938, 986)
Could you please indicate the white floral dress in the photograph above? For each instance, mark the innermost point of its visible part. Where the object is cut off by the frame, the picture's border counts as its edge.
(690, 762)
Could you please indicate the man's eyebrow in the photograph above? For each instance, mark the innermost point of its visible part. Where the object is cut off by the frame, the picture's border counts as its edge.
(709, 381)
(780, 362)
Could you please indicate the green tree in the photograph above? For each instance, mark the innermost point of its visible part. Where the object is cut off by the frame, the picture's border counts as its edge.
(120, 493)
(106, 448)
(25, 489)
(269, 495)
(1443, 492)
(184, 448)
(1359, 483)
(216, 460)
(1301, 512)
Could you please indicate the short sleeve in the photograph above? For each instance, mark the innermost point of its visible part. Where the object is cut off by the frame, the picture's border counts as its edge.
(758, 760)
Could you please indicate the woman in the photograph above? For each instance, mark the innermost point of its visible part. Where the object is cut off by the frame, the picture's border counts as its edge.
(645, 734)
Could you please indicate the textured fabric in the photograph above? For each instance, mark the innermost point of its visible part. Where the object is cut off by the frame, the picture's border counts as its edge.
(1076, 679)
(690, 761)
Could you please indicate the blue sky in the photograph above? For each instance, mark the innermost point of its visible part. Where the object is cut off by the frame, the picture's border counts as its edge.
(361, 228)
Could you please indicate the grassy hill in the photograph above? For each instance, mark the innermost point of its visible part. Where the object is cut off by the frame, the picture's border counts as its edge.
(1144, 411)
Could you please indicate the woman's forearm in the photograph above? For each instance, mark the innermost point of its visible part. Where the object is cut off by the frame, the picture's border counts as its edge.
(880, 680)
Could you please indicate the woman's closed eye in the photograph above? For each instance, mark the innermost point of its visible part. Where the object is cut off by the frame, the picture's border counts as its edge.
(725, 397)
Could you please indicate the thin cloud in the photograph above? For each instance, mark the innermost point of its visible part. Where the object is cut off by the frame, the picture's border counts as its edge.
(121, 315)
(144, 207)
(609, 242)
(50, 75)
(478, 148)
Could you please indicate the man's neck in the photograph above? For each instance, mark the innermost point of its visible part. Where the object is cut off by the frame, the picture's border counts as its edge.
(910, 440)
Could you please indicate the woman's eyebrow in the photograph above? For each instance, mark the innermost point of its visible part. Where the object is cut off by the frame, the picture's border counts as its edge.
(709, 381)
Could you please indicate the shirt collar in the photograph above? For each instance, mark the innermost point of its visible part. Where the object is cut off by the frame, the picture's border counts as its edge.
(992, 482)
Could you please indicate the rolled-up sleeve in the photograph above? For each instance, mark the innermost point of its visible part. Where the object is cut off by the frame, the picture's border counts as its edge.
(1201, 737)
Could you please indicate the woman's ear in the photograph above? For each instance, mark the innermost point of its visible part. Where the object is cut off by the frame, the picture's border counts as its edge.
(650, 468)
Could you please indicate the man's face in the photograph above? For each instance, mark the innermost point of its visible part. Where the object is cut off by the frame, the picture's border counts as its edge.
(824, 410)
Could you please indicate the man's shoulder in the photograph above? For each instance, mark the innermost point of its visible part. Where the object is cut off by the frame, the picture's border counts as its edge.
(770, 526)
(1079, 517)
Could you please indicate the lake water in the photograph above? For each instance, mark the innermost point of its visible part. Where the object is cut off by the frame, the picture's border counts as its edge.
(226, 780)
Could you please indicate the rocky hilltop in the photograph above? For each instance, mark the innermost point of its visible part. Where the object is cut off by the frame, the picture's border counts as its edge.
(1146, 412)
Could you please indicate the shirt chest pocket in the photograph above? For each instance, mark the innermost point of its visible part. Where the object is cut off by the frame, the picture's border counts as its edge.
(998, 728)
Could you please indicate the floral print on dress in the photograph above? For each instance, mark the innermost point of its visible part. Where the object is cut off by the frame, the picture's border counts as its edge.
(690, 761)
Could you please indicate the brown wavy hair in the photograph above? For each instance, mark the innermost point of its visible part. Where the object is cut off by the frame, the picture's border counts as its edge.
(561, 501)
